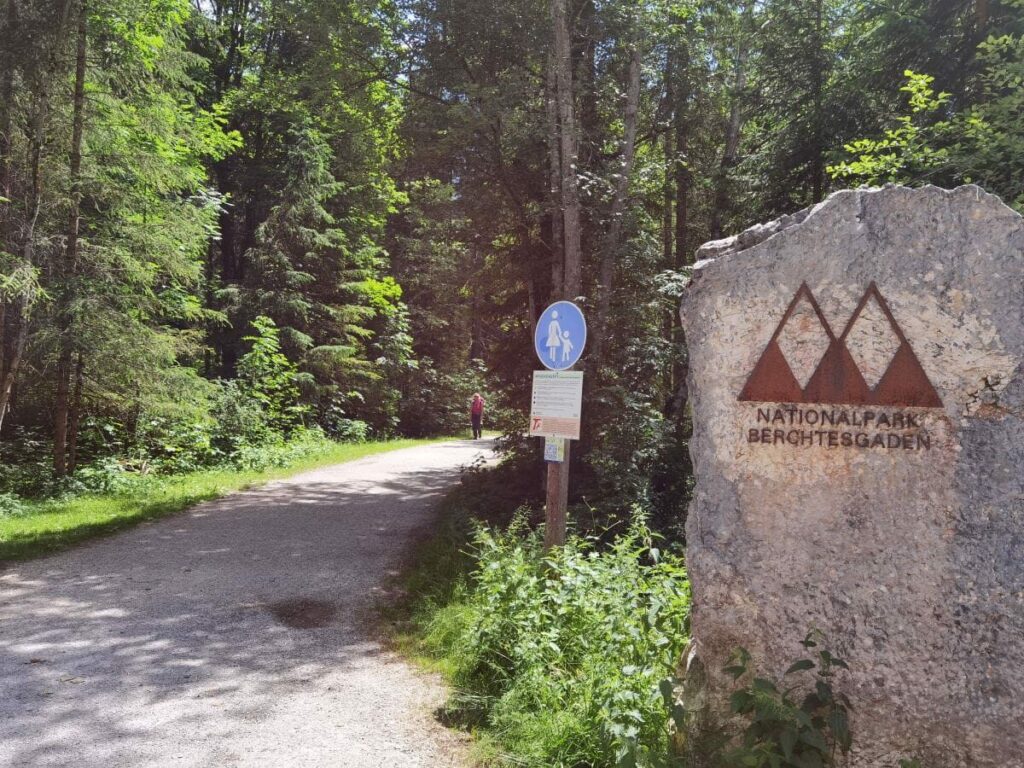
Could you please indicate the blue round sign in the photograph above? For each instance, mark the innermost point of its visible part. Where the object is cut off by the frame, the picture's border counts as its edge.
(560, 336)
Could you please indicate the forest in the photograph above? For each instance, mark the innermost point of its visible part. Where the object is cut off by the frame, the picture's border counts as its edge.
(246, 237)
(228, 223)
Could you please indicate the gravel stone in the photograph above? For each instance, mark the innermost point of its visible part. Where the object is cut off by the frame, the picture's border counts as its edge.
(238, 633)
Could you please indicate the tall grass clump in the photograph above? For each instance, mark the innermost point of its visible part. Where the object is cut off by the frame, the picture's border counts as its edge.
(559, 656)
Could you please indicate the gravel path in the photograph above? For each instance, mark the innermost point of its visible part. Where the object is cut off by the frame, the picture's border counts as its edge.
(239, 633)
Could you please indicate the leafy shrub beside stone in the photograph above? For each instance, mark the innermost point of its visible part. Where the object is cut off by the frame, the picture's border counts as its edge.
(559, 656)
(787, 730)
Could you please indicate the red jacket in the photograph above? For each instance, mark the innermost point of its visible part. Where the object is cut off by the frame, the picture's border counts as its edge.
(477, 408)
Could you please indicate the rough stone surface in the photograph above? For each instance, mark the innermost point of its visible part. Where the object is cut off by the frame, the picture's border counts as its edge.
(909, 555)
(240, 633)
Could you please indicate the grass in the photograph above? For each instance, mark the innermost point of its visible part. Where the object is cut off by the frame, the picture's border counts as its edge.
(556, 659)
(49, 526)
(438, 567)
(432, 586)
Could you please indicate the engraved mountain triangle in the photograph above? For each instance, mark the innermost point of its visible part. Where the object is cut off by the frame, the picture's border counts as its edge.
(772, 379)
(837, 379)
(879, 348)
(906, 383)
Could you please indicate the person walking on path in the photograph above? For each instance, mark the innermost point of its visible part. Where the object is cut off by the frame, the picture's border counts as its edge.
(476, 415)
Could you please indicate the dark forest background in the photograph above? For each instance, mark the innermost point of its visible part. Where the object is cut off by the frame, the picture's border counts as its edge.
(229, 224)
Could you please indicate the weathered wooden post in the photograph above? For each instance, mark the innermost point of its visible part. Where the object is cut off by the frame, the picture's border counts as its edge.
(556, 405)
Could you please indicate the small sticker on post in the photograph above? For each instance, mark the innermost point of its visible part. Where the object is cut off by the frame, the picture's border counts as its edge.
(554, 449)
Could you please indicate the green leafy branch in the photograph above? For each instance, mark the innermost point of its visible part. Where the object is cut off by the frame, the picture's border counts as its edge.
(783, 733)
(907, 152)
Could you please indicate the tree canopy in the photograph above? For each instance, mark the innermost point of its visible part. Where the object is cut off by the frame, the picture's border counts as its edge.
(347, 216)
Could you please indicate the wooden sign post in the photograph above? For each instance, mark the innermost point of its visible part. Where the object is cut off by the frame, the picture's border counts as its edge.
(556, 406)
(555, 522)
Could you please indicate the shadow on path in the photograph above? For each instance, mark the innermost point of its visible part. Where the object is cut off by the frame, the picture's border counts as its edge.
(236, 633)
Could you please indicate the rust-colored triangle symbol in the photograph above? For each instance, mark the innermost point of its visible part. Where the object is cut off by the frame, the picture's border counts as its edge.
(772, 380)
(905, 383)
(837, 378)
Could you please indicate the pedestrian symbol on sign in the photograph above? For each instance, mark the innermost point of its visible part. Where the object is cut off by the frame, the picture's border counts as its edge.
(560, 336)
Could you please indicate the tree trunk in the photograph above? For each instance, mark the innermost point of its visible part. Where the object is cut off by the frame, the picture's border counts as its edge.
(678, 237)
(13, 362)
(681, 174)
(585, 71)
(6, 126)
(75, 417)
(77, 131)
(734, 127)
(981, 16)
(39, 81)
(554, 183)
(613, 237)
(3, 344)
(572, 285)
(668, 188)
(818, 158)
(667, 239)
(531, 301)
(681, 393)
(16, 347)
(11, 337)
(682, 168)
(61, 400)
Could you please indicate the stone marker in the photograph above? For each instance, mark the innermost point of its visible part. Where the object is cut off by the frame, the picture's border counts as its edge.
(858, 444)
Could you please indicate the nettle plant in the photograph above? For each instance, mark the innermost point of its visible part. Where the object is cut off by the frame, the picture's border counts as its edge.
(787, 728)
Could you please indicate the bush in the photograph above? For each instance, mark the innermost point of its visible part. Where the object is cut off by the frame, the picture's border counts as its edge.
(106, 475)
(239, 422)
(26, 466)
(170, 445)
(784, 732)
(561, 655)
(267, 377)
(11, 505)
(345, 430)
(302, 443)
(251, 423)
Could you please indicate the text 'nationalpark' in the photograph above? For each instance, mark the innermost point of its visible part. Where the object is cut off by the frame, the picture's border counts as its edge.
(806, 428)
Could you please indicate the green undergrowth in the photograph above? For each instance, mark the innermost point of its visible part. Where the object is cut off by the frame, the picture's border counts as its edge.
(554, 660)
(40, 527)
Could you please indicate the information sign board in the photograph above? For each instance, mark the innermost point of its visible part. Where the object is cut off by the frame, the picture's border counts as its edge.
(556, 404)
